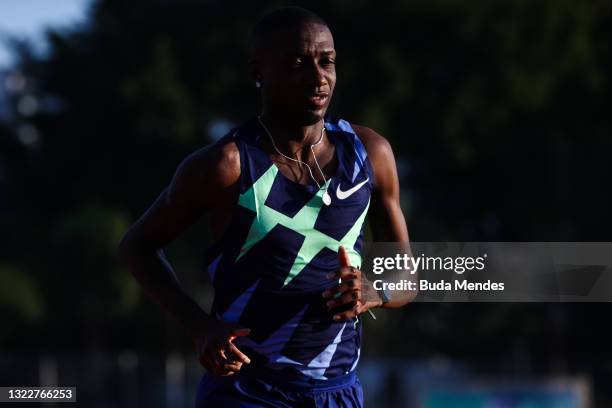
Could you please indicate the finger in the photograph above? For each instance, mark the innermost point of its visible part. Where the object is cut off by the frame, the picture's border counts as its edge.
(225, 365)
(226, 356)
(349, 314)
(330, 292)
(239, 354)
(350, 273)
(231, 366)
(215, 370)
(347, 285)
(350, 283)
(217, 365)
(239, 332)
(343, 273)
(343, 257)
(348, 297)
(219, 361)
(221, 358)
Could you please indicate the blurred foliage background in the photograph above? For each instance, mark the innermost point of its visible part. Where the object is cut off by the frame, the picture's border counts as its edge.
(498, 113)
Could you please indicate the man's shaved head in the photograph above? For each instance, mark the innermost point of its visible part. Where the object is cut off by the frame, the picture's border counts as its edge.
(279, 21)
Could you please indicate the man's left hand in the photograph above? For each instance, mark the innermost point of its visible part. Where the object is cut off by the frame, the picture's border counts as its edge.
(354, 290)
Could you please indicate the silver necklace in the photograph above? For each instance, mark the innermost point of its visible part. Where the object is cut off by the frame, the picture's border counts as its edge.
(326, 196)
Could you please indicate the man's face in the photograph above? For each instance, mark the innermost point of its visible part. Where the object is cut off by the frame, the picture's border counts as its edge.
(298, 73)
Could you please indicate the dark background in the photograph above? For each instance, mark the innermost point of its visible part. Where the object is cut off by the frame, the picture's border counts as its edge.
(498, 114)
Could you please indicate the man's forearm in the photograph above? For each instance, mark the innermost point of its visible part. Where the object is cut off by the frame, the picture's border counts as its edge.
(155, 274)
(399, 298)
(402, 297)
(406, 277)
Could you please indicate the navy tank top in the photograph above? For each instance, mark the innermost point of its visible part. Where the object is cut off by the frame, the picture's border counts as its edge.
(269, 268)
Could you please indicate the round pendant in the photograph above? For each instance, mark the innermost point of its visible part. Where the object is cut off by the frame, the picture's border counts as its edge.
(326, 198)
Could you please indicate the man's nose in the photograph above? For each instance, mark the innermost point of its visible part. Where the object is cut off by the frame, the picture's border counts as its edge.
(317, 75)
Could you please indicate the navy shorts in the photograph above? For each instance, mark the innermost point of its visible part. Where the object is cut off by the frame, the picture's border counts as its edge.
(251, 390)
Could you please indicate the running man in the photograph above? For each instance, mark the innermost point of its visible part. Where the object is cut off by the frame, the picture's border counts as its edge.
(288, 192)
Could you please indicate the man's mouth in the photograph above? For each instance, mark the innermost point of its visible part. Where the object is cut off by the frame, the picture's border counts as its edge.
(318, 100)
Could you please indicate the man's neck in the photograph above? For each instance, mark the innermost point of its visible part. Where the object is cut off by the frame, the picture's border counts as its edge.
(292, 139)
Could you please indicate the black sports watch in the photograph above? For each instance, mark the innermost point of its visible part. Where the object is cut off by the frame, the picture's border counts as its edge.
(385, 295)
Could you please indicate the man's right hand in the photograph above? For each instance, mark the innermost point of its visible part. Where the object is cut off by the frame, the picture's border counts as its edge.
(216, 350)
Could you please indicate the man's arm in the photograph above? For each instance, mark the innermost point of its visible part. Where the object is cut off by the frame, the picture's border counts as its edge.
(388, 225)
(386, 217)
(204, 180)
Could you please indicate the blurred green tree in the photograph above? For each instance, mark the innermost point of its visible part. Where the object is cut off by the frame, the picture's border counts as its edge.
(497, 111)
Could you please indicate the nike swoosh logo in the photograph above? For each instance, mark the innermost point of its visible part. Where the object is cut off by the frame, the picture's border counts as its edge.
(346, 194)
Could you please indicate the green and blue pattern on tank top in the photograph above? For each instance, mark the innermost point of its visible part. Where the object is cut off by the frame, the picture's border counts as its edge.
(303, 222)
(269, 268)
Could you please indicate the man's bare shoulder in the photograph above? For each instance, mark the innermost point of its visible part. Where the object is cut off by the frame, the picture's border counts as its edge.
(205, 178)
(377, 146)
(219, 162)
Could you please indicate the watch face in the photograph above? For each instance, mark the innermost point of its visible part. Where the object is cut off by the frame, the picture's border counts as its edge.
(385, 295)
(388, 295)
